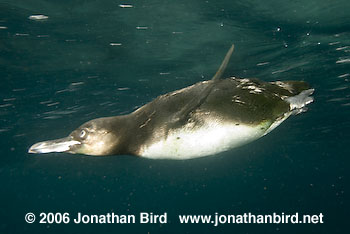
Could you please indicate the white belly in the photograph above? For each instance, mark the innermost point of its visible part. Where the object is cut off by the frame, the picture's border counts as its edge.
(212, 138)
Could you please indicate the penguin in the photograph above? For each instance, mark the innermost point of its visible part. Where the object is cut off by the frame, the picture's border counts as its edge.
(203, 119)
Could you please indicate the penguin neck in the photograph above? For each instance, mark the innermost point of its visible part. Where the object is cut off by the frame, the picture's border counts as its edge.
(122, 127)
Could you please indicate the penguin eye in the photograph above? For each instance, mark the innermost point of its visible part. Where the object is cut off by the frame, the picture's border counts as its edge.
(83, 134)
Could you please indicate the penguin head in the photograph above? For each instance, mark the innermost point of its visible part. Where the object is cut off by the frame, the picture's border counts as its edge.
(96, 137)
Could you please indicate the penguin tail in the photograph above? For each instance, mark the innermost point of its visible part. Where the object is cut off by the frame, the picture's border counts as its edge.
(298, 102)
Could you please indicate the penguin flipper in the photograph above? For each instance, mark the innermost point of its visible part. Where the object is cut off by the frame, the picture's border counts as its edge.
(224, 63)
(198, 100)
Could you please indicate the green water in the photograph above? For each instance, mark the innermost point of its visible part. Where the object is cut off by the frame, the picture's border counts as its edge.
(95, 58)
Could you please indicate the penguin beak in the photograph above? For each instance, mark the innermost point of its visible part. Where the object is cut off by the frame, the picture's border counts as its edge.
(59, 145)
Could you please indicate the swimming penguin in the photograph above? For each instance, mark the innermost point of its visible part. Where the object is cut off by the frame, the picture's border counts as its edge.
(203, 119)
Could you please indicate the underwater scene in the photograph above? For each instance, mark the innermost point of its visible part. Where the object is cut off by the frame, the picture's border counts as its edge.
(63, 63)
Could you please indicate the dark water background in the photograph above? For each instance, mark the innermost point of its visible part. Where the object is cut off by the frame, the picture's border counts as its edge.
(60, 72)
